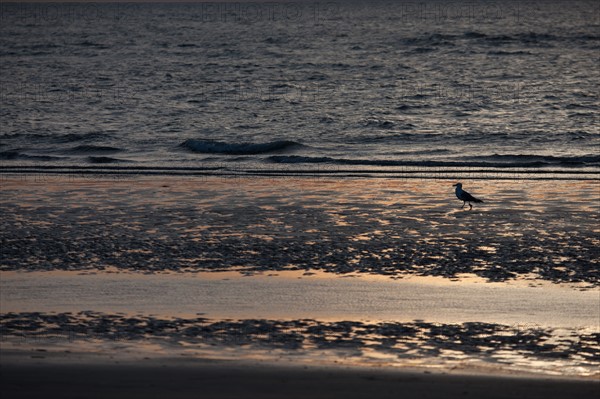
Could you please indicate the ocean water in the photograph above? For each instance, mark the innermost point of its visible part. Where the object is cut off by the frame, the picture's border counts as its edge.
(279, 86)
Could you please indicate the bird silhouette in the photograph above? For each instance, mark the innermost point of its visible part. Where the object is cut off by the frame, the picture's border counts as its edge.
(465, 196)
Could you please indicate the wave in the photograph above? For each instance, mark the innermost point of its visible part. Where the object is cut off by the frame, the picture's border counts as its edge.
(474, 35)
(549, 159)
(219, 147)
(493, 161)
(16, 155)
(396, 136)
(519, 52)
(424, 152)
(531, 37)
(422, 50)
(105, 160)
(405, 107)
(10, 136)
(86, 149)
(60, 138)
(382, 124)
(423, 43)
(71, 137)
(87, 43)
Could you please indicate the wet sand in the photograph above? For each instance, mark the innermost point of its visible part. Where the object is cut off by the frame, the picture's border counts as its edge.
(379, 226)
(185, 378)
(523, 348)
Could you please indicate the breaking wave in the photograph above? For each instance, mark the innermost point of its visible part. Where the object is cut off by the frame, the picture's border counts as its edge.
(218, 147)
(494, 161)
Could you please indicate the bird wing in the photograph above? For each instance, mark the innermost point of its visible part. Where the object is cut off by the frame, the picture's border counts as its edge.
(465, 196)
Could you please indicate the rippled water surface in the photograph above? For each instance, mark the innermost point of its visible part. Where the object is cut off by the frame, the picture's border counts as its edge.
(340, 84)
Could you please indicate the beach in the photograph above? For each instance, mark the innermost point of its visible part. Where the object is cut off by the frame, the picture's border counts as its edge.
(248, 199)
(284, 284)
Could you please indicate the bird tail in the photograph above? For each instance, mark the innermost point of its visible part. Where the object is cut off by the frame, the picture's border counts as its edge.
(477, 200)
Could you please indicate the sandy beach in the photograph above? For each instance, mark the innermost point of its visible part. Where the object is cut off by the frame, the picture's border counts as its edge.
(299, 199)
(297, 287)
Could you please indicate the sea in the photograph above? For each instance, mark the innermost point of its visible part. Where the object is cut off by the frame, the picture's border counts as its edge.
(295, 87)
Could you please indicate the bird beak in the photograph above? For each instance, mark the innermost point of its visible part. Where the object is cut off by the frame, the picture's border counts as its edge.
(454, 185)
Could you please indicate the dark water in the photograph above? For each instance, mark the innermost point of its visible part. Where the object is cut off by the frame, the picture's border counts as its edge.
(352, 85)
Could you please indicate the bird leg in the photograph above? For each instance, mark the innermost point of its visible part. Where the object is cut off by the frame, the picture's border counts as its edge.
(462, 207)
(470, 206)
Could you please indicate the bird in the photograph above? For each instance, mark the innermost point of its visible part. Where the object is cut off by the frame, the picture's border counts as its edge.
(465, 196)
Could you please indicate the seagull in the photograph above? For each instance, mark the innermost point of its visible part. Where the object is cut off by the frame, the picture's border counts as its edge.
(465, 196)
